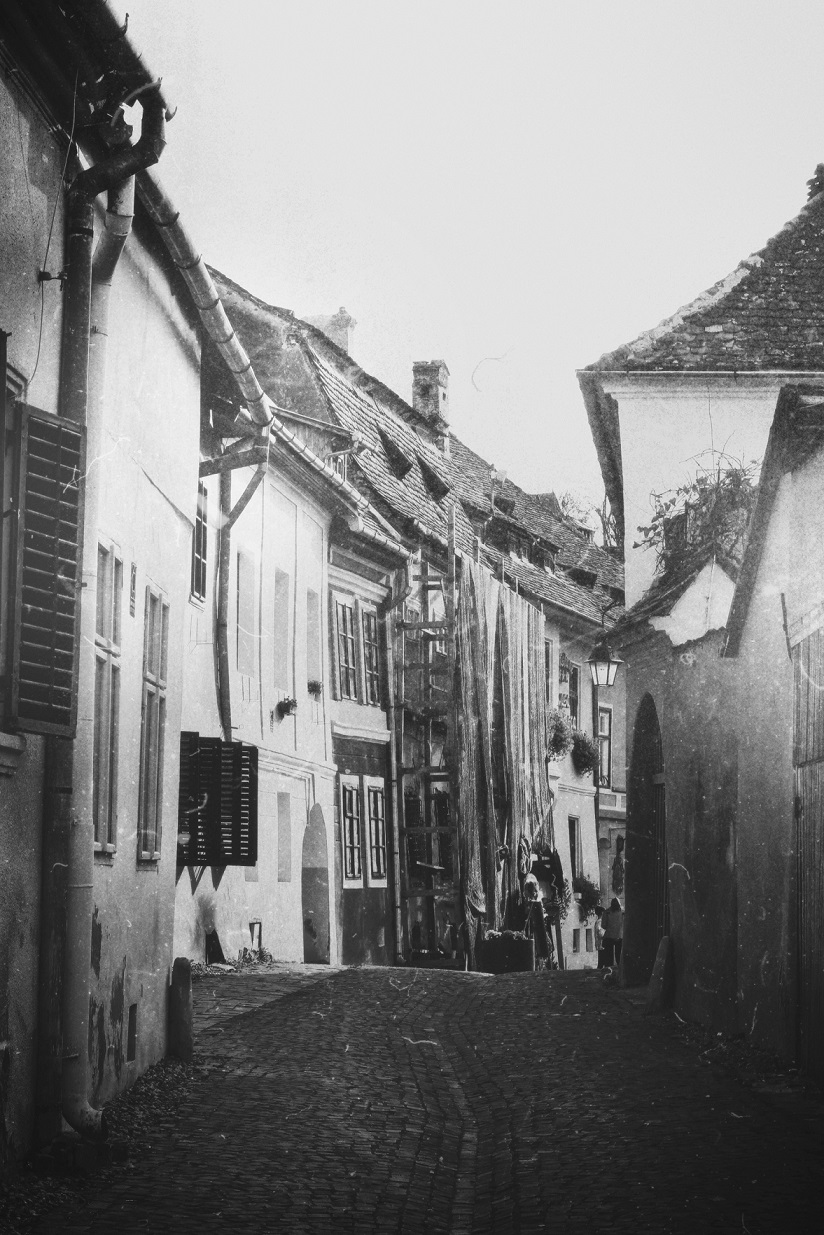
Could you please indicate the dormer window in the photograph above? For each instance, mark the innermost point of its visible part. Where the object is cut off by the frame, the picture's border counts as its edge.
(436, 485)
(398, 460)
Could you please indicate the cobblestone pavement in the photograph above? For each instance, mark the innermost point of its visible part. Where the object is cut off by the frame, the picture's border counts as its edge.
(416, 1100)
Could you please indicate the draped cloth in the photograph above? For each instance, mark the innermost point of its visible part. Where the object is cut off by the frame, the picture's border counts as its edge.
(525, 729)
(500, 638)
(477, 612)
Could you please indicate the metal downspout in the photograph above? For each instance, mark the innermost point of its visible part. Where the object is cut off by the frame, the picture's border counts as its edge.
(76, 377)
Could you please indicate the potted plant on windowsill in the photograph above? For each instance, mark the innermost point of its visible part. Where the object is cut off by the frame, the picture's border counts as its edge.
(559, 732)
(588, 896)
(584, 752)
(315, 688)
(286, 707)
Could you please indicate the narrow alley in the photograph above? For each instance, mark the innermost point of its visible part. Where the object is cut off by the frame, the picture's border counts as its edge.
(375, 1100)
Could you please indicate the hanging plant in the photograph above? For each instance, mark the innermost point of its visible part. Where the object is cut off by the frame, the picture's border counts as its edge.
(589, 896)
(560, 734)
(584, 752)
(558, 902)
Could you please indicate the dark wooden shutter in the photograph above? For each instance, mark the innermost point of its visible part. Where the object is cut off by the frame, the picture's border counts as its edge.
(217, 802)
(45, 639)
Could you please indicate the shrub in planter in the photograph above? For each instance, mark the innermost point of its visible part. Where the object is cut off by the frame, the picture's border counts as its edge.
(560, 733)
(589, 894)
(584, 753)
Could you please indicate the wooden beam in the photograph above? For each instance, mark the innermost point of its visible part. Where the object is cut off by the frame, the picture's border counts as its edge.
(229, 461)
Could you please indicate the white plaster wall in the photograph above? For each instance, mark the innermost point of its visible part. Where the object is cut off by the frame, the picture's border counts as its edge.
(144, 461)
(279, 528)
(665, 423)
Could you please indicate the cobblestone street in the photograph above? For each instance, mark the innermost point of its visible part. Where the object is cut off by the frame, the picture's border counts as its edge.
(372, 1100)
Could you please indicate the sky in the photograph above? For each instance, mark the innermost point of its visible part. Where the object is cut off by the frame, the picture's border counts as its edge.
(513, 187)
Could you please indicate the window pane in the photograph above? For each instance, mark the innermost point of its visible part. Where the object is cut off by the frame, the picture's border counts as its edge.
(114, 736)
(548, 670)
(117, 593)
(99, 792)
(573, 694)
(351, 832)
(371, 657)
(377, 834)
(575, 846)
(103, 594)
(346, 651)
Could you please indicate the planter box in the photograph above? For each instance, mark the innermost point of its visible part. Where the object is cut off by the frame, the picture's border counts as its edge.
(507, 953)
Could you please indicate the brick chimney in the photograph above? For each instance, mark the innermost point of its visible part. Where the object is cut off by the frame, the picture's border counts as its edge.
(430, 390)
(338, 327)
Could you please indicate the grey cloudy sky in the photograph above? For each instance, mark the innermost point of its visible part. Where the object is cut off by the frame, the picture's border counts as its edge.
(513, 187)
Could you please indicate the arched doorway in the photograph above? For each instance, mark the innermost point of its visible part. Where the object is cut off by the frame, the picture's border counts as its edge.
(315, 890)
(647, 898)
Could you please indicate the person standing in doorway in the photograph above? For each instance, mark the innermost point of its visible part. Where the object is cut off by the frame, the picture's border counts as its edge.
(612, 925)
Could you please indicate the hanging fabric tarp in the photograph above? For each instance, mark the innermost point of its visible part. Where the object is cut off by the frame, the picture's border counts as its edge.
(476, 601)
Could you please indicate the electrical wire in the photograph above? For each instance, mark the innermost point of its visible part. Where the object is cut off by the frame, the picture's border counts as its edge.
(44, 265)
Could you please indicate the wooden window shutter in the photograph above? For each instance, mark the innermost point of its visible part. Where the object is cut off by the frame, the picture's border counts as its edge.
(217, 802)
(45, 641)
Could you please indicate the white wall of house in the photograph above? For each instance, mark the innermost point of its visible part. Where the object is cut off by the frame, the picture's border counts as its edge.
(669, 421)
(279, 548)
(146, 455)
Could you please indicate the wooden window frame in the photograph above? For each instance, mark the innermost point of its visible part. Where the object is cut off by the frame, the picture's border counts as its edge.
(574, 713)
(108, 622)
(576, 857)
(200, 546)
(152, 725)
(604, 739)
(351, 832)
(346, 670)
(372, 676)
(549, 671)
(374, 788)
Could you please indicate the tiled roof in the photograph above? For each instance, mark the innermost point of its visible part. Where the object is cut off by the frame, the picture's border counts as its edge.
(767, 314)
(406, 477)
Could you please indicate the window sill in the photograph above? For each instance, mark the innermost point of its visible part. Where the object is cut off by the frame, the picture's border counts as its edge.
(104, 851)
(12, 746)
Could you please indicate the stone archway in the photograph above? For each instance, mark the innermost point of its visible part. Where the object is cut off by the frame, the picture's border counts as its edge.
(647, 893)
(315, 890)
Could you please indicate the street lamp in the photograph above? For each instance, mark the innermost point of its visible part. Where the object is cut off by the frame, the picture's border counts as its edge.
(603, 664)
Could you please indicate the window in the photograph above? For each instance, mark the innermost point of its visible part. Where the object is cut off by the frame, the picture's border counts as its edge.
(576, 864)
(217, 820)
(351, 830)
(42, 460)
(199, 546)
(605, 747)
(590, 940)
(574, 682)
(376, 817)
(371, 656)
(363, 799)
(576, 939)
(153, 725)
(548, 677)
(106, 697)
(347, 669)
(245, 613)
